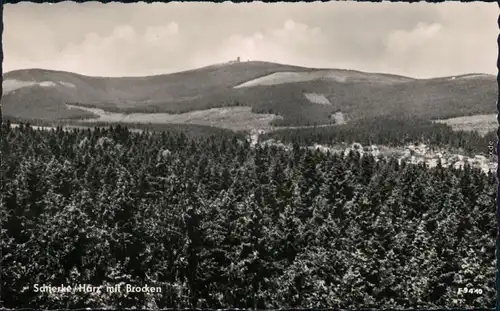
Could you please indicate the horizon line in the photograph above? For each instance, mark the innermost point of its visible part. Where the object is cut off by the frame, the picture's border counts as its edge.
(233, 62)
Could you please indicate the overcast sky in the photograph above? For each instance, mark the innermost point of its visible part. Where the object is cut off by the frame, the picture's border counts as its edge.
(115, 39)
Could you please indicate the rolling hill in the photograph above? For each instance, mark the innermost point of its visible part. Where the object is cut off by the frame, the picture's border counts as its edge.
(294, 95)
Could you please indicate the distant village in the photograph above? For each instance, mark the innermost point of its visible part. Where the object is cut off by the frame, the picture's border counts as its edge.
(411, 153)
(421, 153)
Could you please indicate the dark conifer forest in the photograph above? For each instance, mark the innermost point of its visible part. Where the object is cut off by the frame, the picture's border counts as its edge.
(215, 222)
(390, 131)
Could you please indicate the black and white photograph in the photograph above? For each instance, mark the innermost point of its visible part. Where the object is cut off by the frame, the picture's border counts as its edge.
(253, 155)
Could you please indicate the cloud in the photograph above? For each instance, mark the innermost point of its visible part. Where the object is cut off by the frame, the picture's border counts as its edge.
(139, 52)
(402, 41)
(418, 40)
(292, 30)
(156, 34)
(440, 49)
(284, 44)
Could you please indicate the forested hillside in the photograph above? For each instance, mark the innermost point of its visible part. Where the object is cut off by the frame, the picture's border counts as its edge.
(191, 130)
(217, 223)
(268, 88)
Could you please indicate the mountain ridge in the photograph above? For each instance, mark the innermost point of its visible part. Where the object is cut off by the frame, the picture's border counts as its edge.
(268, 88)
(247, 62)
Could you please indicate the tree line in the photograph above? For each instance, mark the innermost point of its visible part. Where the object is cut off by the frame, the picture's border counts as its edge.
(217, 223)
(391, 131)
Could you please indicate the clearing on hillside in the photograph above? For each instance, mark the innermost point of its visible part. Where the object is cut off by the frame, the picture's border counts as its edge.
(481, 123)
(316, 98)
(336, 75)
(234, 118)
